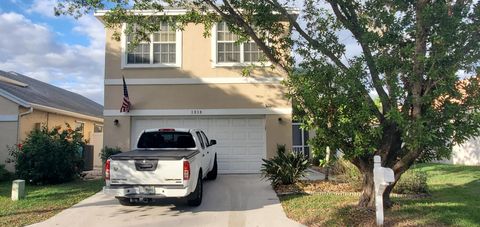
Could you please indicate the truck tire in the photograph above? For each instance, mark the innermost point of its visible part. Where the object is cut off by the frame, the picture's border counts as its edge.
(212, 175)
(125, 201)
(195, 198)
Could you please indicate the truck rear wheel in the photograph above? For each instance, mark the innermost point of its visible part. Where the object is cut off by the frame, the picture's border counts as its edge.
(195, 198)
(125, 201)
(212, 175)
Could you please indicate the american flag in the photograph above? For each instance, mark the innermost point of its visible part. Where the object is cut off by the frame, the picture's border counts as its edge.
(126, 102)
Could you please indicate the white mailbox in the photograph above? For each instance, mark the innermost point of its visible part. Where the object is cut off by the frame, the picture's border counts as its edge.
(382, 177)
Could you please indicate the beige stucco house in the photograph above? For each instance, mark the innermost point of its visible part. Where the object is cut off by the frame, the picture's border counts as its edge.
(27, 104)
(183, 79)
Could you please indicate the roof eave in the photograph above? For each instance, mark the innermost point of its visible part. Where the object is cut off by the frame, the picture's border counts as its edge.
(171, 12)
(14, 98)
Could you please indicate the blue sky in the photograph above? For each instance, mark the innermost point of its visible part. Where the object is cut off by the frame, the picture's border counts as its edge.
(62, 51)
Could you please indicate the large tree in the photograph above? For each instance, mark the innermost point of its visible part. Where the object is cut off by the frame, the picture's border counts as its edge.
(419, 58)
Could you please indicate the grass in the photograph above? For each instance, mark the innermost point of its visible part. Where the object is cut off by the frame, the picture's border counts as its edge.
(43, 202)
(454, 201)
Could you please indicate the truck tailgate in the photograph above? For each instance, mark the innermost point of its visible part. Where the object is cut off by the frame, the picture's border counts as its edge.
(146, 172)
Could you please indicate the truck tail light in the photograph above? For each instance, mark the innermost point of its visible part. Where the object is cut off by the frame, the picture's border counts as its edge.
(107, 170)
(186, 170)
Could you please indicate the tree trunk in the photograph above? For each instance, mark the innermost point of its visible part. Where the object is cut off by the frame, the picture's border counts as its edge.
(367, 199)
(387, 202)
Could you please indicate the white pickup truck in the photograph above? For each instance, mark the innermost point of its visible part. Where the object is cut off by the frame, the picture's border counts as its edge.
(166, 163)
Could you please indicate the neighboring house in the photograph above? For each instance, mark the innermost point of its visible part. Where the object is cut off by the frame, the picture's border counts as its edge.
(467, 153)
(183, 79)
(27, 104)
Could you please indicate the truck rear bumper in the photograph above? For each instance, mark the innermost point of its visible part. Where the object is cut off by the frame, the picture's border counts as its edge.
(139, 191)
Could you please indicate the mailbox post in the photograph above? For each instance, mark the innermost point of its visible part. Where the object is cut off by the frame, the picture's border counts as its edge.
(382, 177)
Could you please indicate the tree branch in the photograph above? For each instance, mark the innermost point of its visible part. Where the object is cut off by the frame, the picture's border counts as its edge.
(292, 20)
(346, 14)
(314, 43)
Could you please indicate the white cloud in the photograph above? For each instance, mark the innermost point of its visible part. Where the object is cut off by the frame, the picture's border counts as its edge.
(43, 7)
(31, 49)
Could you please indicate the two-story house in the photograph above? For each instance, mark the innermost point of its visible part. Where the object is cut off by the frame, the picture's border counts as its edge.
(182, 79)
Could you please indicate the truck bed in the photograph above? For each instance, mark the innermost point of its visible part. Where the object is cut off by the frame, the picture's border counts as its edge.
(163, 154)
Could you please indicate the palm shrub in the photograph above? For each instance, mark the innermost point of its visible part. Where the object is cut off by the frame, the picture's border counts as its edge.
(49, 156)
(285, 168)
(107, 152)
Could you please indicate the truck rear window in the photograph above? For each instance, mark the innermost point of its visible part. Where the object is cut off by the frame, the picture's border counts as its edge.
(166, 140)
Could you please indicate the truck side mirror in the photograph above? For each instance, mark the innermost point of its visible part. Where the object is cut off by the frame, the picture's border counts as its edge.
(213, 142)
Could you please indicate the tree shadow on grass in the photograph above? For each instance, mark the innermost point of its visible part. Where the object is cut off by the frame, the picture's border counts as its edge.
(449, 205)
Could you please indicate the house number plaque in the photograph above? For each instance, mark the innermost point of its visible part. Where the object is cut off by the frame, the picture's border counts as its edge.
(196, 112)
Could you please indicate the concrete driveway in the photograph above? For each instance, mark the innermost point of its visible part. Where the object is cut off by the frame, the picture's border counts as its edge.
(230, 200)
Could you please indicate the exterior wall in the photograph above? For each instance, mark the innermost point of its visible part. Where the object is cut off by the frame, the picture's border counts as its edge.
(196, 60)
(279, 132)
(196, 63)
(467, 153)
(8, 107)
(8, 129)
(8, 137)
(117, 136)
(51, 120)
(208, 96)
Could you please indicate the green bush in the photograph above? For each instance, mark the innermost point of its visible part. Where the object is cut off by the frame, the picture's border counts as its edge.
(4, 174)
(49, 156)
(107, 152)
(413, 181)
(285, 168)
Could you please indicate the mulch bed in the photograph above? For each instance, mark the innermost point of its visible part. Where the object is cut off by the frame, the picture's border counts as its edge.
(314, 186)
(328, 187)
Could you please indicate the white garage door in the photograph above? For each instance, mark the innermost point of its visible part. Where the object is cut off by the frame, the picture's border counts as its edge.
(241, 141)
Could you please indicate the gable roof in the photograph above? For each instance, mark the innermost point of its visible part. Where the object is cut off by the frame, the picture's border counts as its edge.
(27, 91)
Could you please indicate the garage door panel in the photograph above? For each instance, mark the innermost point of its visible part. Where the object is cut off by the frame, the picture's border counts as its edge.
(241, 141)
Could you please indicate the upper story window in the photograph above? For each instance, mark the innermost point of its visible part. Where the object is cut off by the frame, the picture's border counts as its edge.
(163, 50)
(227, 52)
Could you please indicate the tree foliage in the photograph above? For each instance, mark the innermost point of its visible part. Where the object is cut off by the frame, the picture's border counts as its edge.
(420, 58)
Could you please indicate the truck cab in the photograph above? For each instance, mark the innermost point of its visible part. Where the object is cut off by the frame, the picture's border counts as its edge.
(169, 162)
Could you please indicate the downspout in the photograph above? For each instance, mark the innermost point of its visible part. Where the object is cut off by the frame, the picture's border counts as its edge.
(20, 115)
(29, 111)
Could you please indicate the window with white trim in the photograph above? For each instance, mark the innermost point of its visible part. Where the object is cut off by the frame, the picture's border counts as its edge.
(228, 51)
(300, 139)
(164, 49)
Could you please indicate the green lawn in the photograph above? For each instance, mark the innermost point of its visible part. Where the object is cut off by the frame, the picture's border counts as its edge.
(42, 202)
(455, 201)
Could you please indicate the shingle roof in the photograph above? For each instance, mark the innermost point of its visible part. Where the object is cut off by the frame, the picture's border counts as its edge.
(41, 93)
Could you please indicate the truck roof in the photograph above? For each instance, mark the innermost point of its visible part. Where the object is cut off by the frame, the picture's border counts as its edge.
(172, 129)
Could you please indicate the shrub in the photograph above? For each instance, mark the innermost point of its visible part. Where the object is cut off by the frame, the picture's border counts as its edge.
(413, 181)
(4, 174)
(348, 173)
(49, 156)
(107, 152)
(285, 168)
